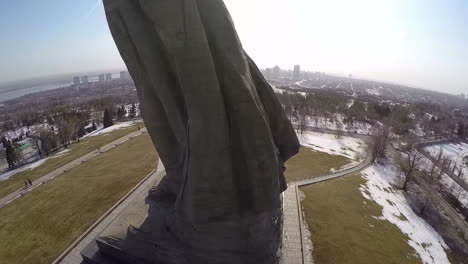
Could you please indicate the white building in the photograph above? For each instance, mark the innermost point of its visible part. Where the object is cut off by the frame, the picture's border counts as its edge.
(76, 80)
(123, 75)
(297, 73)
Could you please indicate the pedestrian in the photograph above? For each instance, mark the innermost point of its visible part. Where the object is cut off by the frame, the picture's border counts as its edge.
(138, 128)
(25, 184)
(30, 182)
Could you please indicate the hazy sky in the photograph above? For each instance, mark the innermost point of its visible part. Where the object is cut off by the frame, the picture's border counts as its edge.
(423, 43)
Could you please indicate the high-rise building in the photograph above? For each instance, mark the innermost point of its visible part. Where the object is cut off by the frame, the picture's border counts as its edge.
(101, 78)
(268, 73)
(297, 73)
(84, 79)
(109, 77)
(276, 72)
(76, 80)
(124, 75)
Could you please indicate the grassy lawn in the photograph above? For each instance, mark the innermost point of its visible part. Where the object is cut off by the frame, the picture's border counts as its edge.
(38, 227)
(310, 163)
(77, 150)
(344, 227)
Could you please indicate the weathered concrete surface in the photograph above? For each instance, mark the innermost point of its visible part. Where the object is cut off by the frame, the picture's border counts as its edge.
(292, 241)
(218, 128)
(131, 208)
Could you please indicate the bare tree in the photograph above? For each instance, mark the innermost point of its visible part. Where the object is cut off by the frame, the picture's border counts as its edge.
(36, 141)
(409, 165)
(339, 129)
(303, 113)
(302, 122)
(460, 172)
(65, 129)
(48, 140)
(379, 142)
(97, 117)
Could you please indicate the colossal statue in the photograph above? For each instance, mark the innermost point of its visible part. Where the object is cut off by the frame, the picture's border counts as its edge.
(219, 129)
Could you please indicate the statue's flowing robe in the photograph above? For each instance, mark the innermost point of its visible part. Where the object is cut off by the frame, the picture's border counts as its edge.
(216, 123)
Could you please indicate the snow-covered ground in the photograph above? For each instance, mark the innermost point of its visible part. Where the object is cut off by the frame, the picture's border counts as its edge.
(373, 91)
(338, 124)
(8, 174)
(457, 153)
(349, 147)
(350, 103)
(446, 182)
(277, 90)
(422, 237)
(117, 126)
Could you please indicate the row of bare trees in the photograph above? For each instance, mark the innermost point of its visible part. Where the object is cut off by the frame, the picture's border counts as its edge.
(412, 165)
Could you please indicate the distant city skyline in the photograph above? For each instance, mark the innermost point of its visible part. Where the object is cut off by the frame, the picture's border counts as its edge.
(415, 43)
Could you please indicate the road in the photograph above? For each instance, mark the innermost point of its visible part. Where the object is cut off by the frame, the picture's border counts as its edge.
(51, 175)
(456, 219)
(449, 173)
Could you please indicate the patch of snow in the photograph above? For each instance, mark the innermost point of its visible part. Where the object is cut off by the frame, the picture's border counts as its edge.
(446, 182)
(8, 174)
(373, 91)
(349, 147)
(110, 129)
(351, 103)
(457, 153)
(338, 124)
(422, 237)
(61, 153)
(276, 90)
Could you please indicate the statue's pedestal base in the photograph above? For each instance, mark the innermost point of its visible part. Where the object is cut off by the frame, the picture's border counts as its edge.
(134, 214)
(146, 232)
(92, 255)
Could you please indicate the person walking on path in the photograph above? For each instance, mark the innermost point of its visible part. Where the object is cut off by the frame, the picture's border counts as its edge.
(30, 182)
(26, 185)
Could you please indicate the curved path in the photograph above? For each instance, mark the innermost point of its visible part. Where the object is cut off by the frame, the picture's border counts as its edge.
(51, 175)
(294, 247)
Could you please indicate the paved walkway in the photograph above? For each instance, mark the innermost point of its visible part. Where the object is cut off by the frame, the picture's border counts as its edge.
(51, 175)
(72, 254)
(293, 240)
(294, 245)
(337, 174)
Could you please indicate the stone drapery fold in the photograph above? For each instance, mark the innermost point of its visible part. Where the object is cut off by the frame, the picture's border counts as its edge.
(215, 121)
